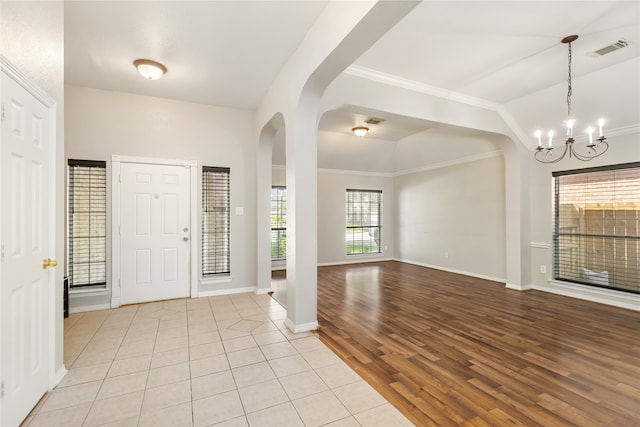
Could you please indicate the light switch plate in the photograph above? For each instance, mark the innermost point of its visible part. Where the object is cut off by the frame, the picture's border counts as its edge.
(239, 211)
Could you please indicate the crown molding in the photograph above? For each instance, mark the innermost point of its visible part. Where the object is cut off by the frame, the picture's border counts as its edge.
(390, 79)
(455, 162)
(349, 172)
(342, 172)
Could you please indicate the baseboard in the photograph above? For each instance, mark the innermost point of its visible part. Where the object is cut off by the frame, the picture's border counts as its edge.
(603, 296)
(360, 260)
(85, 308)
(518, 287)
(230, 291)
(452, 270)
(60, 373)
(262, 291)
(303, 327)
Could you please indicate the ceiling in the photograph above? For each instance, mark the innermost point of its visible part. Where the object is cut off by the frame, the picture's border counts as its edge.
(506, 53)
(223, 53)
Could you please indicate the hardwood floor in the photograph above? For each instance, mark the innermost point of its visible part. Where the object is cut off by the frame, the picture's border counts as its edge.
(450, 350)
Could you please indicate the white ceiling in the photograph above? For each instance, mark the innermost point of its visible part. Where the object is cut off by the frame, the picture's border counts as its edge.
(505, 52)
(223, 53)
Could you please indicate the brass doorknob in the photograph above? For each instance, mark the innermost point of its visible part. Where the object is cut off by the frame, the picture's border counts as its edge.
(49, 263)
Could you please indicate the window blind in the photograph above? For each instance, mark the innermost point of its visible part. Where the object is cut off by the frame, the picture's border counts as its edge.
(278, 223)
(364, 221)
(86, 223)
(215, 220)
(597, 227)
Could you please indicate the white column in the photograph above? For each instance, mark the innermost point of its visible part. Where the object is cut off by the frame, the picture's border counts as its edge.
(301, 151)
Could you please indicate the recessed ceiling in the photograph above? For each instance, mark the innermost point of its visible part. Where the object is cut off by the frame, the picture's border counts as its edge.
(393, 128)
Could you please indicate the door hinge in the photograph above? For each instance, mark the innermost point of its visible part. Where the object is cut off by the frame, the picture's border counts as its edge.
(2, 113)
(2, 254)
(119, 178)
(2, 390)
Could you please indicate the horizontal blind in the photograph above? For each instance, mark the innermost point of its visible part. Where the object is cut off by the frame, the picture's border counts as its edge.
(597, 227)
(278, 223)
(86, 223)
(364, 221)
(215, 220)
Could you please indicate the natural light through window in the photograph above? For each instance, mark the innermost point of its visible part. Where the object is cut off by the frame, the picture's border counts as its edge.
(364, 222)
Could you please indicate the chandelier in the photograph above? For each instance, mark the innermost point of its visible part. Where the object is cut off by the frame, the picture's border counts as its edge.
(593, 149)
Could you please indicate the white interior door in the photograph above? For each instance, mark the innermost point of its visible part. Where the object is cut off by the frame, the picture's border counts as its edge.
(155, 232)
(25, 244)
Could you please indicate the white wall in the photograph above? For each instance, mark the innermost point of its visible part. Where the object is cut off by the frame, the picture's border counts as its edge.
(458, 211)
(32, 39)
(101, 123)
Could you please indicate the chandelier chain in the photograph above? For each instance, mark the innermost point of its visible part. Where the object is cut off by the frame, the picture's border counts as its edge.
(569, 89)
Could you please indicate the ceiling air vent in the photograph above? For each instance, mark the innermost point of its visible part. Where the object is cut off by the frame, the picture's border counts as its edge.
(373, 121)
(612, 47)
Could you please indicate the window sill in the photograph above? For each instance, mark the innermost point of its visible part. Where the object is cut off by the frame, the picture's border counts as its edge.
(367, 255)
(216, 280)
(78, 293)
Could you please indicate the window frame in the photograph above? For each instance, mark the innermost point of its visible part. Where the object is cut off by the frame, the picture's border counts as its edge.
(566, 243)
(279, 226)
(216, 260)
(361, 226)
(71, 237)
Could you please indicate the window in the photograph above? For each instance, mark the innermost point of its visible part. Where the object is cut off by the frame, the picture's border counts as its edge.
(87, 223)
(215, 220)
(278, 223)
(597, 227)
(364, 217)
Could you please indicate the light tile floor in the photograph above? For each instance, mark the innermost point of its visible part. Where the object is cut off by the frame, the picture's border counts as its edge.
(223, 361)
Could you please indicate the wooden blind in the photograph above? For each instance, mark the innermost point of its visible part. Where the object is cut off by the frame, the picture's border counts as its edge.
(597, 227)
(278, 223)
(364, 221)
(86, 223)
(216, 209)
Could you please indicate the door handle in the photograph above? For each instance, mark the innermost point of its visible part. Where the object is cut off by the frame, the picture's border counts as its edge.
(49, 263)
(186, 239)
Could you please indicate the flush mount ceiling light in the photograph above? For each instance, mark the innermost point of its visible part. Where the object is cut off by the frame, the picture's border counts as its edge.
(149, 69)
(593, 149)
(360, 130)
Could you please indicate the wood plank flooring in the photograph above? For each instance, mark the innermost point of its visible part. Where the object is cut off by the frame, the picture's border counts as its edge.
(452, 350)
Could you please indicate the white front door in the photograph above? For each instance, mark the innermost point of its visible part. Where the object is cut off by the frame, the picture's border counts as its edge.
(155, 232)
(25, 244)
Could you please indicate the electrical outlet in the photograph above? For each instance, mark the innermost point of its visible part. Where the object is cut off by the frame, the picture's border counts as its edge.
(543, 268)
(446, 254)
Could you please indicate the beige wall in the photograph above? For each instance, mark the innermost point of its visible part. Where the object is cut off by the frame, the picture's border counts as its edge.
(453, 218)
(102, 123)
(332, 189)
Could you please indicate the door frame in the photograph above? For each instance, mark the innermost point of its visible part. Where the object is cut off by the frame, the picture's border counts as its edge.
(116, 162)
(54, 376)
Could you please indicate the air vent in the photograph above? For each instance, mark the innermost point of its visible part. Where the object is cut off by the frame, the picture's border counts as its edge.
(612, 47)
(373, 121)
